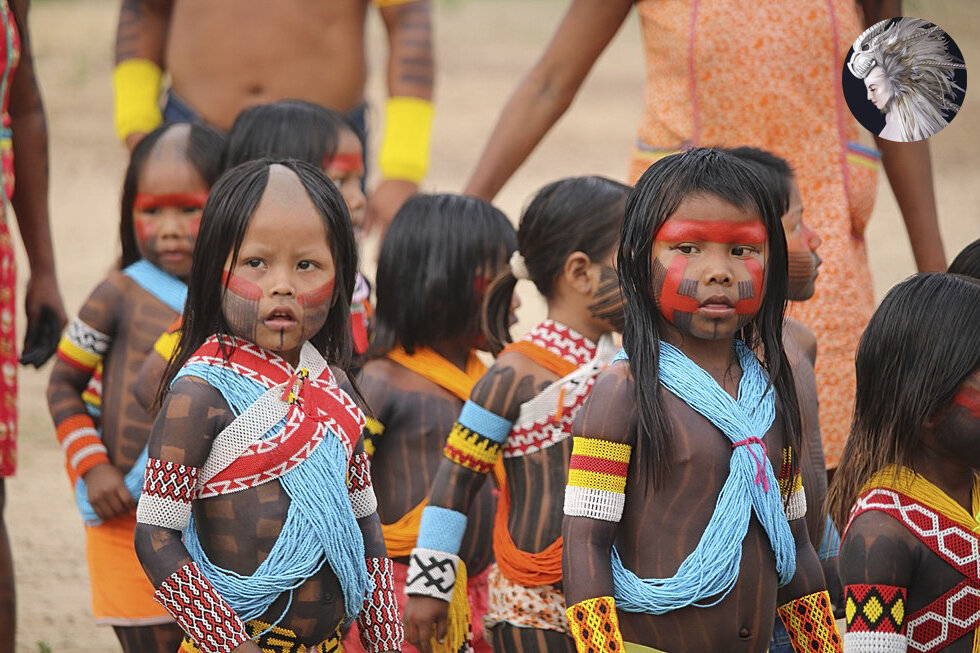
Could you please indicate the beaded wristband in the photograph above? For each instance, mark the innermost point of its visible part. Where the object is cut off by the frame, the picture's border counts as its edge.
(200, 611)
(431, 573)
(82, 445)
(595, 626)
(379, 624)
(810, 624)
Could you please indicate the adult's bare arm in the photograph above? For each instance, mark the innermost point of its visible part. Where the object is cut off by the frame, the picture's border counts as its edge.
(546, 91)
(141, 37)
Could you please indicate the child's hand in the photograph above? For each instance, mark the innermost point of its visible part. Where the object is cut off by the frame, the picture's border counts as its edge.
(424, 618)
(107, 491)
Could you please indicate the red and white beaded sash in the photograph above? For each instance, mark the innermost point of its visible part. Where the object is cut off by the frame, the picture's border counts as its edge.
(308, 397)
(957, 612)
(547, 419)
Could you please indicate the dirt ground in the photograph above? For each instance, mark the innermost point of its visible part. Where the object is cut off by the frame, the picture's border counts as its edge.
(484, 47)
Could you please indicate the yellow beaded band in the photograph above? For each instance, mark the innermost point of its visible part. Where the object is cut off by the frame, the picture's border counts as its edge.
(137, 86)
(405, 147)
(595, 626)
(470, 449)
(810, 623)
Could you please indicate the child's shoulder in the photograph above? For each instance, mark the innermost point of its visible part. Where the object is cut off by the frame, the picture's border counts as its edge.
(799, 340)
(610, 411)
(101, 309)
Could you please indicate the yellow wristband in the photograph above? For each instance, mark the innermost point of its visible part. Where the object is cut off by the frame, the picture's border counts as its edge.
(594, 625)
(405, 147)
(137, 86)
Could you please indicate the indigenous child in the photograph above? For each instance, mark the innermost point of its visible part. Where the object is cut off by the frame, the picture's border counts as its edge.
(437, 260)
(296, 130)
(907, 493)
(103, 430)
(704, 535)
(967, 262)
(801, 351)
(522, 410)
(258, 522)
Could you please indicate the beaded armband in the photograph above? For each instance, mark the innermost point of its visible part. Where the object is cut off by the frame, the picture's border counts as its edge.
(597, 479)
(476, 438)
(810, 624)
(82, 445)
(791, 488)
(405, 146)
(200, 611)
(83, 347)
(875, 619)
(373, 430)
(168, 489)
(379, 624)
(431, 573)
(359, 486)
(595, 626)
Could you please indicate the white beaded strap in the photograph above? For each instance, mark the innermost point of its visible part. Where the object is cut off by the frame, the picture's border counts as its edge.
(431, 573)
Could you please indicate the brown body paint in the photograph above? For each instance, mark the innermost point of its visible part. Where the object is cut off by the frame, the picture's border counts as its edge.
(608, 303)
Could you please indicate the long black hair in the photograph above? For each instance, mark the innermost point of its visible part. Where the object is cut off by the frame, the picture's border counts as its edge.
(918, 348)
(774, 171)
(656, 196)
(292, 129)
(432, 255)
(576, 214)
(204, 146)
(227, 214)
(967, 262)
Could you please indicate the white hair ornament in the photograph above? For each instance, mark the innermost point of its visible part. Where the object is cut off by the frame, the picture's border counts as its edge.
(518, 267)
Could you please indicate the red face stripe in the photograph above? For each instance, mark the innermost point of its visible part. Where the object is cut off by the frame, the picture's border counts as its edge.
(598, 465)
(147, 201)
(241, 287)
(346, 162)
(670, 300)
(316, 297)
(750, 305)
(968, 398)
(717, 231)
(145, 229)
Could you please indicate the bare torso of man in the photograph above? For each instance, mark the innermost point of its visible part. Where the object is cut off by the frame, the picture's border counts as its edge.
(224, 56)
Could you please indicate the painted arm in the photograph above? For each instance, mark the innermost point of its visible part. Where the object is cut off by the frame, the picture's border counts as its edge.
(85, 343)
(471, 450)
(379, 623)
(594, 500)
(546, 91)
(876, 566)
(42, 302)
(180, 442)
(141, 37)
(404, 156)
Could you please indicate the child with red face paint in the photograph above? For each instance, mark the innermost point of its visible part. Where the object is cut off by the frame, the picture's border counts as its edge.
(907, 492)
(258, 523)
(102, 429)
(801, 349)
(675, 449)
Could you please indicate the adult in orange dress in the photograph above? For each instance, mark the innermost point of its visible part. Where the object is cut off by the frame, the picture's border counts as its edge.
(733, 73)
(24, 134)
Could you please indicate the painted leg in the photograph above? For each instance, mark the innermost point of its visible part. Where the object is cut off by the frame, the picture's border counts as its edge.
(8, 602)
(512, 639)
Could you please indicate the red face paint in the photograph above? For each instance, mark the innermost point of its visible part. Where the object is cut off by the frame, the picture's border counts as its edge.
(968, 398)
(670, 299)
(194, 227)
(145, 229)
(718, 231)
(241, 287)
(750, 295)
(345, 162)
(148, 202)
(317, 297)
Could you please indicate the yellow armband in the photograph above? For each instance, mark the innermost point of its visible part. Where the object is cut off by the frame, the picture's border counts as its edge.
(137, 87)
(405, 147)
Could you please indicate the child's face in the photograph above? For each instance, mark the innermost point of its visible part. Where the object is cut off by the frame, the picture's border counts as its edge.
(280, 291)
(169, 200)
(959, 431)
(346, 170)
(801, 250)
(708, 266)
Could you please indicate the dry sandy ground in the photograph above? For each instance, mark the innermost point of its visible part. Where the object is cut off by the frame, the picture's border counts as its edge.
(483, 48)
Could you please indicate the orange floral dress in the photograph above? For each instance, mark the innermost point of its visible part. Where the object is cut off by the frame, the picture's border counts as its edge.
(768, 75)
(9, 56)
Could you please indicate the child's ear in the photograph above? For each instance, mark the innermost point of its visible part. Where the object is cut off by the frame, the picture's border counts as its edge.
(577, 272)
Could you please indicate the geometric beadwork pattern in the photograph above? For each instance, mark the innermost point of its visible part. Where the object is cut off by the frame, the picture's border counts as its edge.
(810, 624)
(431, 573)
(597, 479)
(168, 489)
(83, 347)
(791, 487)
(470, 449)
(875, 608)
(957, 612)
(562, 341)
(276, 639)
(379, 624)
(200, 611)
(595, 626)
(359, 486)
